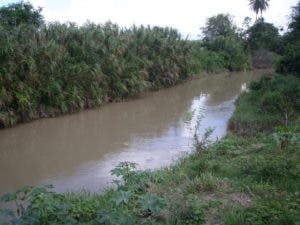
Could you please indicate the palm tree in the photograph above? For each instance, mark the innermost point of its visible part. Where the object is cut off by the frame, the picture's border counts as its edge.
(259, 6)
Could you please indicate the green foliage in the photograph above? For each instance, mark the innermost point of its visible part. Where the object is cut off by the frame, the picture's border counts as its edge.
(211, 183)
(289, 63)
(268, 169)
(290, 60)
(194, 212)
(264, 35)
(52, 69)
(219, 25)
(210, 61)
(272, 211)
(151, 204)
(114, 217)
(203, 143)
(122, 197)
(205, 60)
(248, 179)
(125, 170)
(294, 25)
(270, 102)
(238, 180)
(60, 68)
(221, 37)
(231, 50)
(18, 13)
(286, 136)
(259, 6)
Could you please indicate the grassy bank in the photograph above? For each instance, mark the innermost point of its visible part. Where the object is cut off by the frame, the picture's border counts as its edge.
(271, 103)
(249, 177)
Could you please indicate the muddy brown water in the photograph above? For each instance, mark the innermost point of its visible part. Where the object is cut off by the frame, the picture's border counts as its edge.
(78, 151)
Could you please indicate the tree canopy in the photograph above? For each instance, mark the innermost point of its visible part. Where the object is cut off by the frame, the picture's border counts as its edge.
(263, 35)
(290, 60)
(19, 13)
(219, 25)
(294, 26)
(259, 6)
(221, 36)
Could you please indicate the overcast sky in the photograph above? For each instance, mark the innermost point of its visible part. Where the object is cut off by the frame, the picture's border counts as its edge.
(185, 15)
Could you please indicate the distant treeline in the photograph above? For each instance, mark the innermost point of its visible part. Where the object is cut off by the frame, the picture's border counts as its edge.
(47, 69)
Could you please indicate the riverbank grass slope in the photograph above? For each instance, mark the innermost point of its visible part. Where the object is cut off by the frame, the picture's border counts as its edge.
(250, 177)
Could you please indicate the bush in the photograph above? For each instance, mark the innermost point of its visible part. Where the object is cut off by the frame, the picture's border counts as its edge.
(289, 63)
(290, 60)
(206, 60)
(219, 54)
(271, 102)
(221, 37)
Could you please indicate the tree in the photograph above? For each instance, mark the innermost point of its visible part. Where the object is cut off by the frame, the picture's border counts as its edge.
(20, 13)
(290, 60)
(220, 25)
(294, 26)
(259, 6)
(221, 36)
(264, 35)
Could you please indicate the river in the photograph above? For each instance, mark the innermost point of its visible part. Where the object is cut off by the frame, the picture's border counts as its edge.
(77, 151)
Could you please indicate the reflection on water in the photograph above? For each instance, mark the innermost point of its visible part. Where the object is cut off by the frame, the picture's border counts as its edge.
(78, 151)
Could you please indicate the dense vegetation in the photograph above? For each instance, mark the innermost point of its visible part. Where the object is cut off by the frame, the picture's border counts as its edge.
(47, 69)
(290, 60)
(62, 68)
(222, 47)
(263, 35)
(51, 69)
(274, 102)
(251, 179)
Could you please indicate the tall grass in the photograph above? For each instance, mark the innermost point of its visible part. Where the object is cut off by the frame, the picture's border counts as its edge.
(48, 69)
(60, 68)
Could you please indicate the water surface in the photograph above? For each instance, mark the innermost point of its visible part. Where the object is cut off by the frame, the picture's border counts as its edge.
(78, 151)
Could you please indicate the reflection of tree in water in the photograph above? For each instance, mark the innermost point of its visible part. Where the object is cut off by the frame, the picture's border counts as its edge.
(225, 87)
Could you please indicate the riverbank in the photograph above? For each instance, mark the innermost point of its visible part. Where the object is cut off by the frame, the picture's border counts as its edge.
(249, 177)
(49, 69)
(77, 151)
(70, 68)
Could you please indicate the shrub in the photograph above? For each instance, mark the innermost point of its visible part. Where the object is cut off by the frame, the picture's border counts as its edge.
(289, 62)
(269, 103)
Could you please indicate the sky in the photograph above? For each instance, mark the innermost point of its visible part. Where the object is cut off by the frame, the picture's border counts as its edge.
(185, 15)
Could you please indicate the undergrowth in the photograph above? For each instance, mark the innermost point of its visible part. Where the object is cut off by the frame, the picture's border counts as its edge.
(270, 103)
